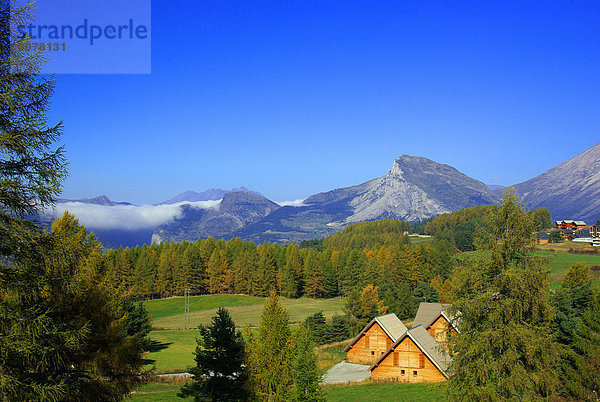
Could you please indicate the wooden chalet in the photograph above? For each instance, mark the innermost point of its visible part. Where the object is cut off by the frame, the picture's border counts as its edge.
(375, 339)
(542, 237)
(436, 320)
(569, 224)
(415, 357)
(566, 233)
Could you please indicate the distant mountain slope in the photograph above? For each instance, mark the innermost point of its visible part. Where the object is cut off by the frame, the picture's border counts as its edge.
(235, 211)
(100, 200)
(208, 195)
(570, 190)
(415, 188)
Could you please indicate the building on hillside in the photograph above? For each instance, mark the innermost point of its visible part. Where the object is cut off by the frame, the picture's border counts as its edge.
(415, 357)
(595, 231)
(542, 237)
(566, 234)
(569, 224)
(375, 339)
(436, 319)
(583, 236)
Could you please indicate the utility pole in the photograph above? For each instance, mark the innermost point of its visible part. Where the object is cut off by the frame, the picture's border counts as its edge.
(186, 298)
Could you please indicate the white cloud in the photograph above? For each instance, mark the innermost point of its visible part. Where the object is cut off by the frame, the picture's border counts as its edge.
(125, 217)
(296, 203)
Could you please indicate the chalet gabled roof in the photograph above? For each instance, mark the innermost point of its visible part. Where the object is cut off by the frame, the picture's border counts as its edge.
(543, 235)
(427, 344)
(580, 223)
(389, 323)
(428, 313)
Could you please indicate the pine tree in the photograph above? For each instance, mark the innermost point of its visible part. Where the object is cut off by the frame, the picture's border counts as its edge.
(219, 372)
(270, 354)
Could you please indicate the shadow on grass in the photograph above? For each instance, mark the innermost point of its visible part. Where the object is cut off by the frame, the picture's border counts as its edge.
(155, 346)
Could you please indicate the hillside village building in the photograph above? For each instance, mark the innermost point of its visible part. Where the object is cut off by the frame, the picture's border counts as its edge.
(375, 339)
(436, 320)
(399, 354)
(576, 231)
(569, 224)
(415, 357)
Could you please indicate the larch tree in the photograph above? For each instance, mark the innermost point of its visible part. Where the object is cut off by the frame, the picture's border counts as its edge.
(64, 332)
(505, 348)
(217, 271)
(305, 373)
(31, 167)
(266, 273)
(269, 354)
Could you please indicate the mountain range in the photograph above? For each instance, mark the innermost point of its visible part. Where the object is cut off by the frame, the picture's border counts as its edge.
(208, 195)
(414, 189)
(570, 190)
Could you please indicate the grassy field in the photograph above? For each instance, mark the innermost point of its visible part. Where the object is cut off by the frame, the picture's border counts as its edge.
(420, 239)
(245, 310)
(372, 391)
(330, 355)
(174, 352)
(173, 346)
(156, 392)
(560, 262)
(369, 391)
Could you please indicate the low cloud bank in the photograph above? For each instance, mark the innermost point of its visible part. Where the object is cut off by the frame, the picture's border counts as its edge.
(296, 203)
(125, 217)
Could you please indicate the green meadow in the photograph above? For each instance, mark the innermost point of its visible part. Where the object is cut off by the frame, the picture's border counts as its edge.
(245, 310)
(559, 264)
(173, 345)
(368, 391)
(372, 391)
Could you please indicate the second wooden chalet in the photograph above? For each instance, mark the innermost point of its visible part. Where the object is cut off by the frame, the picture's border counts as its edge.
(436, 320)
(415, 357)
(377, 337)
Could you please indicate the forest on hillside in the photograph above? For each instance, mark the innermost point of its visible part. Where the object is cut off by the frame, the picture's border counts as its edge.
(378, 253)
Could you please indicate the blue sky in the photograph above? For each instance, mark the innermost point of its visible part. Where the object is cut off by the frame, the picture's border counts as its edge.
(291, 98)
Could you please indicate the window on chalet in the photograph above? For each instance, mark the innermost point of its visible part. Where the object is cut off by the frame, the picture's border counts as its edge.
(415, 373)
(403, 372)
(372, 353)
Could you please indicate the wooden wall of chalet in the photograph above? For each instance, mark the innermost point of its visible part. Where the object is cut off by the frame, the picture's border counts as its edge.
(370, 346)
(407, 364)
(439, 330)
